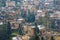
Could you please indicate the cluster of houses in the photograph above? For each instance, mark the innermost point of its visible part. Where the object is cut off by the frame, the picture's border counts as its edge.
(12, 12)
(31, 32)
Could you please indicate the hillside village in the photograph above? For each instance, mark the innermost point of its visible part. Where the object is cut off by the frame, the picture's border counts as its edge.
(30, 19)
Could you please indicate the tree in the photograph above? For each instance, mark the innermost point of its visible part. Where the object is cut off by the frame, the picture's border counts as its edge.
(47, 19)
(20, 30)
(3, 32)
(34, 38)
(36, 32)
(30, 17)
(36, 29)
(42, 38)
(52, 38)
(8, 31)
(53, 24)
(39, 21)
(23, 13)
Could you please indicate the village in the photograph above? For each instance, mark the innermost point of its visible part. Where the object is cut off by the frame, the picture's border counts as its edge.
(30, 19)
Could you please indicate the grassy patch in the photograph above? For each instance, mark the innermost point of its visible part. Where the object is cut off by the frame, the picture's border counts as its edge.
(14, 34)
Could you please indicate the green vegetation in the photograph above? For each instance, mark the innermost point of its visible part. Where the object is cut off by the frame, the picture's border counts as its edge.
(29, 17)
(44, 20)
(42, 38)
(20, 30)
(5, 31)
(8, 31)
(14, 34)
(52, 38)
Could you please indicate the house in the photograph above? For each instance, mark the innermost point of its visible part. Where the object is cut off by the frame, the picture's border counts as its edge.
(14, 25)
